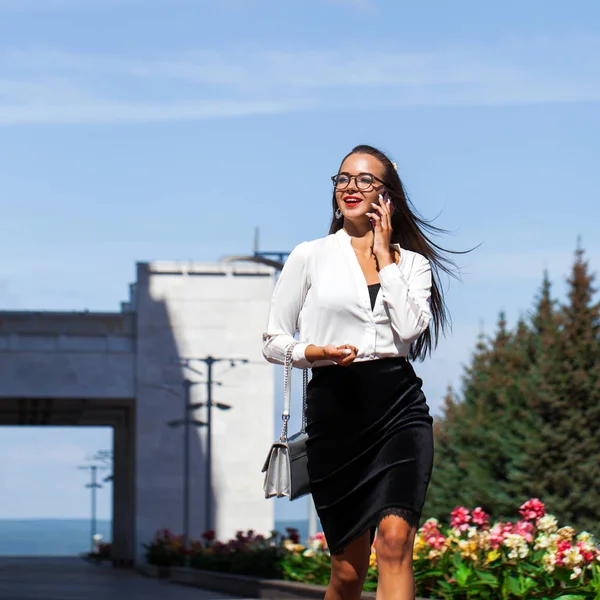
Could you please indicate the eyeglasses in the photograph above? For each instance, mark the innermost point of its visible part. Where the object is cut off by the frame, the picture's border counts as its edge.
(364, 181)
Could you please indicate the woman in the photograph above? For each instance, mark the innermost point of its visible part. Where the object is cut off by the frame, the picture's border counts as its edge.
(363, 300)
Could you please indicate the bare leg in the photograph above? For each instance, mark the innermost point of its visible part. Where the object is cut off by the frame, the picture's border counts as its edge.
(349, 570)
(395, 539)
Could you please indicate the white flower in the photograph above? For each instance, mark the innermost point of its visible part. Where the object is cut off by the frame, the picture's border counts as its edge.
(544, 541)
(472, 532)
(586, 536)
(572, 556)
(395, 166)
(587, 545)
(517, 544)
(309, 553)
(549, 562)
(547, 524)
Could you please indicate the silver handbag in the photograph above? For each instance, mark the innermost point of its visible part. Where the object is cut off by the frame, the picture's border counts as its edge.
(286, 467)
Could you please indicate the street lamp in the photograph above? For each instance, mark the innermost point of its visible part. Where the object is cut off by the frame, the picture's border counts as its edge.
(209, 361)
(106, 457)
(93, 486)
(186, 422)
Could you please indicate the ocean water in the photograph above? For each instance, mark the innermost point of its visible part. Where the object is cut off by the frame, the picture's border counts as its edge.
(49, 537)
(70, 537)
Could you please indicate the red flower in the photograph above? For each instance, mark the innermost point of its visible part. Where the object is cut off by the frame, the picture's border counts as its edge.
(209, 535)
(561, 547)
(533, 509)
(460, 518)
(588, 555)
(480, 518)
(293, 535)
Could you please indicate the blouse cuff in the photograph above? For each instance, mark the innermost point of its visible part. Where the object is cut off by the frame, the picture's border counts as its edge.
(298, 356)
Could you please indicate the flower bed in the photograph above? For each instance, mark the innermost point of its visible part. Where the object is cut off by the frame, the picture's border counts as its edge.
(530, 558)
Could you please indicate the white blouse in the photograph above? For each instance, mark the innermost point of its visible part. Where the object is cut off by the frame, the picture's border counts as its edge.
(322, 294)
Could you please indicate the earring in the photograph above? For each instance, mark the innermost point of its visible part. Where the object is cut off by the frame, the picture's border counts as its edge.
(338, 214)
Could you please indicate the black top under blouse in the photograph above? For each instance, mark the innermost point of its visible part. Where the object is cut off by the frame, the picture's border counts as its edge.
(373, 291)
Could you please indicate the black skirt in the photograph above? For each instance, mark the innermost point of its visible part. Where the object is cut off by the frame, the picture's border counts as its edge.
(370, 446)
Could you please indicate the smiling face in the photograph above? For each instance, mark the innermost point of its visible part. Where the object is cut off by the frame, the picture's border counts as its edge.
(353, 201)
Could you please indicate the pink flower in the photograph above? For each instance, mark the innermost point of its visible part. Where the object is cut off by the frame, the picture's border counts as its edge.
(497, 533)
(435, 541)
(525, 530)
(480, 518)
(430, 526)
(432, 535)
(460, 518)
(533, 509)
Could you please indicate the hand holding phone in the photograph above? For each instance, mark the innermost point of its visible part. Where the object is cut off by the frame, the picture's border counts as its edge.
(385, 197)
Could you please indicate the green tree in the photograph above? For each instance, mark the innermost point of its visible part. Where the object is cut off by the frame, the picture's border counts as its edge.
(527, 422)
(566, 468)
(479, 440)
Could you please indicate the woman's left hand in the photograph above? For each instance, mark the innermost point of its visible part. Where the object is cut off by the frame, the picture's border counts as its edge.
(382, 230)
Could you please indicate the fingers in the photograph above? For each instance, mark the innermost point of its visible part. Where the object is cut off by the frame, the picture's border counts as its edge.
(343, 355)
(350, 354)
(382, 216)
(384, 209)
(376, 218)
(349, 347)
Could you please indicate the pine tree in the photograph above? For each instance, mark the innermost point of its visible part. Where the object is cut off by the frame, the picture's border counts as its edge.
(478, 454)
(528, 420)
(567, 468)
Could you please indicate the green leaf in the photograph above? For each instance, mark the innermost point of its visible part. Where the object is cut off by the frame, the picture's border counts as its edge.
(462, 575)
(487, 578)
(513, 586)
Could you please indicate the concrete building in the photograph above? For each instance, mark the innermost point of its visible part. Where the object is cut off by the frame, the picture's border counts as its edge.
(123, 370)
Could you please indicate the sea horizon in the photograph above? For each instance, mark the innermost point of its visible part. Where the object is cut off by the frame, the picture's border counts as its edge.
(50, 536)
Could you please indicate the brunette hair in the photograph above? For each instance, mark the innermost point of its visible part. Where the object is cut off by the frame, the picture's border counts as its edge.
(409, 230)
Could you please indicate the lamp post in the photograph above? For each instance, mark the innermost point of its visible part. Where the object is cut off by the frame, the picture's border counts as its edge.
(106, 457)
(93, 486)
(186, 422)
(209, 361)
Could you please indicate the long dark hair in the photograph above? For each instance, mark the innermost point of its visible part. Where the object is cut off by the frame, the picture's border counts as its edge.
(409, 231)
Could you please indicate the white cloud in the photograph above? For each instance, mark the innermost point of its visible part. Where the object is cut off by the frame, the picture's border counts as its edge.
(115, 112)
(46, 86)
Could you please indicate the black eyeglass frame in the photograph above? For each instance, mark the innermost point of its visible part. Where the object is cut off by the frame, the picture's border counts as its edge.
(355, 177)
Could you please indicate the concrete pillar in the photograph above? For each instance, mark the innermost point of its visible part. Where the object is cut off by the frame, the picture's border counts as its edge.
(123, 547)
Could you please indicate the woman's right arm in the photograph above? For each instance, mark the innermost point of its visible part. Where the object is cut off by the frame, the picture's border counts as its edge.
(288, 297)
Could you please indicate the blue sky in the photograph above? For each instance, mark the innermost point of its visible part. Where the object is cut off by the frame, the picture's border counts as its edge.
(133, 130)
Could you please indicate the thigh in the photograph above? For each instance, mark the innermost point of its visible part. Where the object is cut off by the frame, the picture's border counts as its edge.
(353, 562)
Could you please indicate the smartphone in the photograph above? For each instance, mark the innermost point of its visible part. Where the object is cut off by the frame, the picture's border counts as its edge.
(386, 198)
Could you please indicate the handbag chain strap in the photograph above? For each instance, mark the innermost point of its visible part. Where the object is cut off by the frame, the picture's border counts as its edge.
(287, 393)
